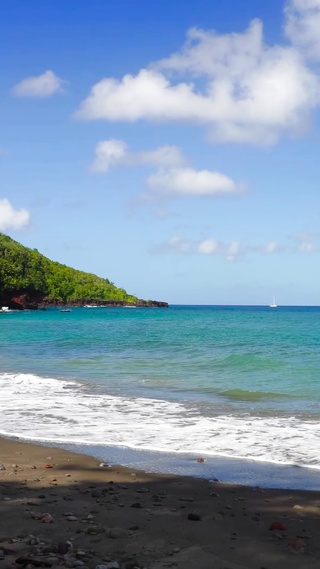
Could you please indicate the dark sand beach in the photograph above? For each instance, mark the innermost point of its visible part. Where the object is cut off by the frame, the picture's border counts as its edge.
(59, 509)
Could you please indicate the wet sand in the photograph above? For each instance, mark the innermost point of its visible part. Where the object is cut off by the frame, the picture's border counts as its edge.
(60, 509)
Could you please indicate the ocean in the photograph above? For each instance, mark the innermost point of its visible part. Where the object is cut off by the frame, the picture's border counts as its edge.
(237, 386)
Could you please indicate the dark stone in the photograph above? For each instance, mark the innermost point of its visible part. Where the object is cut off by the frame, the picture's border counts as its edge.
(193, 517)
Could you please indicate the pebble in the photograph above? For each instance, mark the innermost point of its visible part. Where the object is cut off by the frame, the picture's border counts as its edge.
(95, 530)
(192, 516)
(72, 518)
(47, 518)
(117, 533)
(63, 547)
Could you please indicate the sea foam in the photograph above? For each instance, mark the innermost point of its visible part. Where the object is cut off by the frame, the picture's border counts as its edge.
(61, 411)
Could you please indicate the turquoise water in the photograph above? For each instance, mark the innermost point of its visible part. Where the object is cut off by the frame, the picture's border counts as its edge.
(188, 380)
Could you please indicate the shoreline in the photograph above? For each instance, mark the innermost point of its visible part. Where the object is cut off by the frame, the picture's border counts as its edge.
(113, 514)
(233, 471)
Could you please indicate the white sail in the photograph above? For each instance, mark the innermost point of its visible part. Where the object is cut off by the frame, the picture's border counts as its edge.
(273, 304)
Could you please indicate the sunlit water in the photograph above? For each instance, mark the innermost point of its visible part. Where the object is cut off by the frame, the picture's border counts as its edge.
(182, 382)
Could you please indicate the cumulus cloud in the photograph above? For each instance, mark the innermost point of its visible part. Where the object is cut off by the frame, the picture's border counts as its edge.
(303, 25)
(172, 176)
(11, 218)
(236, 85)
(40, 86)
(189, 182)
(109, 153)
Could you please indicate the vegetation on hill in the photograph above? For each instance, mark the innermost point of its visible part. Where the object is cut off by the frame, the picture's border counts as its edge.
(26, 271)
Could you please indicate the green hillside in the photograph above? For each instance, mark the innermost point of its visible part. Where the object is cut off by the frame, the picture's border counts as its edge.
(26, 271)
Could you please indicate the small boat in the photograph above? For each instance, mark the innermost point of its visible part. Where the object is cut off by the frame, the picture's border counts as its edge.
(6, 309)
(90, 306)
(273, 304)
(65, 310)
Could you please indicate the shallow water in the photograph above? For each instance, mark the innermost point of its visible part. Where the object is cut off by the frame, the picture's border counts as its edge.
(233, 382)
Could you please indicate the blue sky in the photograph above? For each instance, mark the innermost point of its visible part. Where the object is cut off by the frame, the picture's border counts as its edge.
(171, 147)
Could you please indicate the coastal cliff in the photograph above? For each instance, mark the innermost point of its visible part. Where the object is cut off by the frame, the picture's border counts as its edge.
(29, 280)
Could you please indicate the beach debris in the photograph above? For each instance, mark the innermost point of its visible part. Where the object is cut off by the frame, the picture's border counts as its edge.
(200, 459)
(48, 465)
(277, 526)
(2, 467)
(103, 465)
(194, 517)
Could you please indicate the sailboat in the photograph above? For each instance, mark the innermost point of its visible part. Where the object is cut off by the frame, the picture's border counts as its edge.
(273, 304)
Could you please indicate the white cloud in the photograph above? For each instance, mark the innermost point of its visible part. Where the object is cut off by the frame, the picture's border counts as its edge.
(272, 247)
(108, 153)
(39, 86)
(189, 182)
(307, 242)
(303, 25)
(208, 247)
(114, 152)
(236, 85)
(165, 157)
(233, 250)
(175, 244)
(230, 251)
(11, 218)
(307, 247)
(172, 175)
(303, 243)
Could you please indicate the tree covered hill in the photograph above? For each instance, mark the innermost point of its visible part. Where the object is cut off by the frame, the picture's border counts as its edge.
(28, 278)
